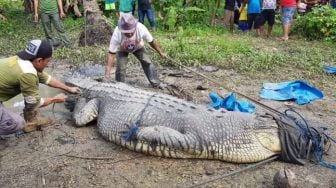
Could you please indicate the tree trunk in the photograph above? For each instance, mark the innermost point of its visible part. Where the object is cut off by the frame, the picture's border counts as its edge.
(214, 10)
(96, 30)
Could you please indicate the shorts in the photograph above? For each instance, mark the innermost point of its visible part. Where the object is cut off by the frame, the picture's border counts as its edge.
(287, 14)
(109, 6)
(243, 26)
(252, 20)
(267, 15)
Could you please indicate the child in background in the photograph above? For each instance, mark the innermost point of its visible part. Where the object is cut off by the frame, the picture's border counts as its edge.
(236, 12)
(243, 26)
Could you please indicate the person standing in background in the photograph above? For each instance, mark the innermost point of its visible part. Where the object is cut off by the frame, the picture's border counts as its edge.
(126, 7)
(229, 14)
(51, 12)
(333, 3)
(145, 9)
(253, 13)
(267, 14)
(243, 26)
(110, 7)
(288, 8)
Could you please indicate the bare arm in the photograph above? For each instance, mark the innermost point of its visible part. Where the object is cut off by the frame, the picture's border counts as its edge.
(244, 4)
(56, 99)
(57, 84)
(36, 10)
(60, 8)
(109, 63)
(156, 47)
(59, 97)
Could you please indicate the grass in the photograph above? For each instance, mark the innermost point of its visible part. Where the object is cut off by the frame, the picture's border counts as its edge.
(255, 57)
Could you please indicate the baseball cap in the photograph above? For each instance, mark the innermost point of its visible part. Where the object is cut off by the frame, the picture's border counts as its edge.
(36, 49)
(127, 23)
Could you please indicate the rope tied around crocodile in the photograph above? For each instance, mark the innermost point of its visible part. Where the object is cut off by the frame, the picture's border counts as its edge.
(135, 125)
(299, 140)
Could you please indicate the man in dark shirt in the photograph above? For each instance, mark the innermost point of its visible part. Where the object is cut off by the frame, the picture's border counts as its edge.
(229, 13)
(145, 8)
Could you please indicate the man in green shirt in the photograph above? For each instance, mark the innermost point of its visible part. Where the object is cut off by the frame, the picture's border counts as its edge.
(51, 12)
(126, 6)
(22, 74)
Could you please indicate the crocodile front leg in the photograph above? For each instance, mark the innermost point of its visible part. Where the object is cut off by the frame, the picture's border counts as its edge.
(85, 112)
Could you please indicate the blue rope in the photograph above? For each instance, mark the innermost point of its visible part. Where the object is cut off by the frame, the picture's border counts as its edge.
(134, 127)
(314, 136)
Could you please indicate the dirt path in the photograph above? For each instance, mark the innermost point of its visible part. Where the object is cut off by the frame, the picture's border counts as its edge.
(43, 158)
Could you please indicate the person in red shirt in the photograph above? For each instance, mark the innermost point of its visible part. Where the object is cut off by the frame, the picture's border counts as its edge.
(288, 8)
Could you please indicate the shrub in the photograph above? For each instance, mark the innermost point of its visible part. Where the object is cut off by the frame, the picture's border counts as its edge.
(179, 16)
(318, 24)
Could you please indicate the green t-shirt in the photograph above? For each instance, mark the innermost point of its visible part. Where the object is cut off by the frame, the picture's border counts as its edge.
(126, 5)
(48, 6)
(19, 76)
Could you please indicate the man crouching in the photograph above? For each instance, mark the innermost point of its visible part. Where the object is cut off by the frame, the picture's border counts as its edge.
(22, 74)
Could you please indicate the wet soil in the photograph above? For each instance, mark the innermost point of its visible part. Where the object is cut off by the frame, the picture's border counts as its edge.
(64, 156)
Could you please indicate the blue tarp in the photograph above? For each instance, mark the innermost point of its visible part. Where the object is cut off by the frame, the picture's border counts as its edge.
(329, 69)
(230, 103)
(299, 91)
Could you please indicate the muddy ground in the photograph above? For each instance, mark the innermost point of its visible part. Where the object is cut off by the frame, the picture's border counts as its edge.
(64, 156)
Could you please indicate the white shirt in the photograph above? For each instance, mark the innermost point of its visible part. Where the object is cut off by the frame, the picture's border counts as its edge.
(269, 4)
(119, 42)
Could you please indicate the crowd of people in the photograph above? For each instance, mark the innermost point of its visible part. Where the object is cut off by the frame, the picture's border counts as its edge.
(22, 73)
(253, 14)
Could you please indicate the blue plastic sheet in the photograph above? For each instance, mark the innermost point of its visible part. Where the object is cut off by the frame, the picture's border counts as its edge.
(299, 91)
(230, 103)
(329, 69)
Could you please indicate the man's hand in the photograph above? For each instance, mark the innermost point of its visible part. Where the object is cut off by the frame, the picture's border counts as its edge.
(59, 98)
(163, 55)
(62, 15)
(36, 18)
(74, 90)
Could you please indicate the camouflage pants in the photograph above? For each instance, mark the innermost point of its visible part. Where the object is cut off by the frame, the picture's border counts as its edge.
(146, 63)
(10, 122)
(54, 19)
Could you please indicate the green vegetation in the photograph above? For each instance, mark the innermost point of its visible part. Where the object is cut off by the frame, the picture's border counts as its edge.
(193, 45)
(318, 24)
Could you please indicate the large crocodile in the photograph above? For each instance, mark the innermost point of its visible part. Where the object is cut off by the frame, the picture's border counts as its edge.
(162, 125)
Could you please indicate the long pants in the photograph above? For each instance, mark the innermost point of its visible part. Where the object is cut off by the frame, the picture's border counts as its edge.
(10, 122)
(150, 16)
(47, 20)
(147, 66)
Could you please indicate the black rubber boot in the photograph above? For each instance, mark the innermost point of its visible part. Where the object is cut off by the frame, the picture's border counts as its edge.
(151, 74)
(122, 60)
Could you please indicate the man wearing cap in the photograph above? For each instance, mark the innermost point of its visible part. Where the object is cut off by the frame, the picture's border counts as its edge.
(129, 37)
(22, 74)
